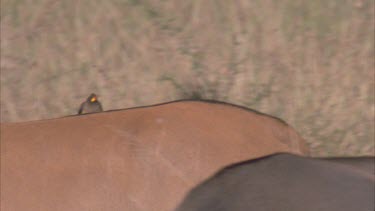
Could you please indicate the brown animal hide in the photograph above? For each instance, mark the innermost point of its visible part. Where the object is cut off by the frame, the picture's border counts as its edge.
(139, 159)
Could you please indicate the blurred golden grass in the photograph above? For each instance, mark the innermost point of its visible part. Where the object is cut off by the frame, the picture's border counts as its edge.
(310, 63)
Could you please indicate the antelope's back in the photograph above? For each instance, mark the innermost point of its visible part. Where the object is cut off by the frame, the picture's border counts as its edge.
(135, 159)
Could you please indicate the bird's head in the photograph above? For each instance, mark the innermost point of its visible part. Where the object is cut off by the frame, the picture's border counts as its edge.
(92, 98)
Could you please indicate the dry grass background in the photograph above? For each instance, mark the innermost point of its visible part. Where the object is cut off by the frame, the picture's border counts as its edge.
(310, 63)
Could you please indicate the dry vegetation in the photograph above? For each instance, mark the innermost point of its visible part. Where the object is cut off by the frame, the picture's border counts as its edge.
(310, 63)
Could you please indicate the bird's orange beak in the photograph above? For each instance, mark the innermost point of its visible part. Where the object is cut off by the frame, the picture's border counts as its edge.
(93, 99)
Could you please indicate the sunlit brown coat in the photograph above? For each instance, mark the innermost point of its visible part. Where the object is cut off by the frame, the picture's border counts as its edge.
(136, 159)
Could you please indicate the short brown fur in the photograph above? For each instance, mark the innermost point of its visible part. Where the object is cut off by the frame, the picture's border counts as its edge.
(138, 159)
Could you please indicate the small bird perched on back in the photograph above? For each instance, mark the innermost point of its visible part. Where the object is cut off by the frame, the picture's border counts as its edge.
(91, 105)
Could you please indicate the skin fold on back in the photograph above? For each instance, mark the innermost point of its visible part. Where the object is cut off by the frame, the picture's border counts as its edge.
(135, 159)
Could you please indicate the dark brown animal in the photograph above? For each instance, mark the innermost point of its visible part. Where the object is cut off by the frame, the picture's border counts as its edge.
(287, 182)
(135, 159)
